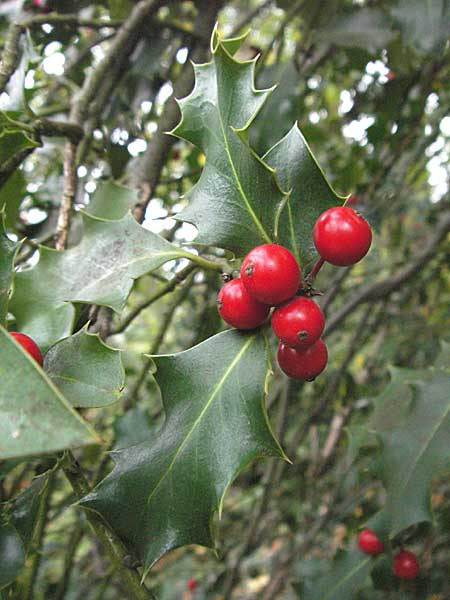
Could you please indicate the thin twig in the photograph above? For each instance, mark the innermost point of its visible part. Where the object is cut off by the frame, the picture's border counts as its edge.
(149, 169)
(162, 291)
(131, 397)
(385, 287)
(109, 541)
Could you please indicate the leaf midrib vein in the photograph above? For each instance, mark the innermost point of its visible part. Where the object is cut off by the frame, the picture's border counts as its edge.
(238, 183)
(214, 393)
(423, 449)
(346, 578)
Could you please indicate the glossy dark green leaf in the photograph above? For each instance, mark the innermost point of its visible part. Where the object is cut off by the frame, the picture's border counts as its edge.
(102, 271)
(34, 417)
(24, 509)
(112, 201)
(86, 371)
(425, 24)
(13, 137)
(12, 554)
(310, 193)
(344, 579)
(235, 202)
(412, 421)
(8, 251)
(366, 28)
(163, 492)
(12, 193)
(131, 428)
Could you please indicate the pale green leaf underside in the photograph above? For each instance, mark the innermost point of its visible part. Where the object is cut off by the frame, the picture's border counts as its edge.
(87, 372)
(164, 491)
(100, 270)
(34, 417)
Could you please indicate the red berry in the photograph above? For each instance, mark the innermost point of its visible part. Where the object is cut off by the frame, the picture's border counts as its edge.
(405, 565)
(191, 584)
(303, 364)
(342, 236)
(271, 274)
(238, 308)
(369, 542)
(298, 323)
(29, 345)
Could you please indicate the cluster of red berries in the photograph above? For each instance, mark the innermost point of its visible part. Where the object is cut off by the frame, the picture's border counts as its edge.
(405, 564)
(270, 276)
(28, 345)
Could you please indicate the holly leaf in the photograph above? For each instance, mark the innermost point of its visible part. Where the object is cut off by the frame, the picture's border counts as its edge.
(86, 371)
(131, 428)
(309, 193)
(23, 511)
(163, 492)
(8, 250)
(14, 137)
(34, 417)
(112, 201)
(412, 422)
(18, 528)
(424, 25)
(12, 554)
(235, 202)
(366, 28)
(12, 193)
(102, 268)
(343, 581)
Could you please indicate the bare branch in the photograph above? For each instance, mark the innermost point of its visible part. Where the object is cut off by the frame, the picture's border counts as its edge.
(384, 288)
(151, 164)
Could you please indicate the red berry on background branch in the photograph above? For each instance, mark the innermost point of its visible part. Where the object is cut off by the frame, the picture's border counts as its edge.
(238, 308)
(303, 364)
(342, 236)
(370, 543)
(191, 584)
(298, 323)
(271, 274)
(405, 565)
(29, 345)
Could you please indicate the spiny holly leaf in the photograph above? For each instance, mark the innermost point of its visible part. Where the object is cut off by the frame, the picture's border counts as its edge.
(100, 270)
(310, 193)
(34, 417)
(87, 371)
(163, 492)
(235, 202)
(412, 421)
(8, 251)
(343, 581)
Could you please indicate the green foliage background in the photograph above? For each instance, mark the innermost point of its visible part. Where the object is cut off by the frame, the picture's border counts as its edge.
(366, 84)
